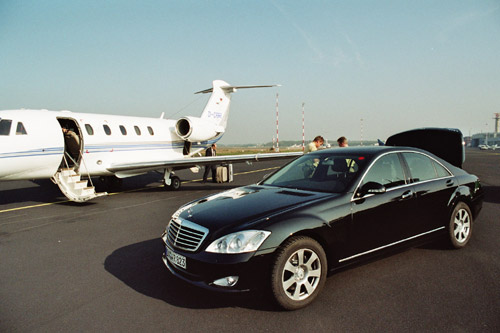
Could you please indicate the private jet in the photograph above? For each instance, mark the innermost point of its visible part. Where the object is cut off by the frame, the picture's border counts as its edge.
(33, 145)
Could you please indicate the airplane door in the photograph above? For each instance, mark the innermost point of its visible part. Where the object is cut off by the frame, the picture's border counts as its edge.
(68, 177)
(73, 142)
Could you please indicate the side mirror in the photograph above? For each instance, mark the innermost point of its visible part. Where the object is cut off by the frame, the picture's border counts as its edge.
(371, 188)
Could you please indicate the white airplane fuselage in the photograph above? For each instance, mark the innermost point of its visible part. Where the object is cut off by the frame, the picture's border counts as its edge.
(33, 144)
(39, 152)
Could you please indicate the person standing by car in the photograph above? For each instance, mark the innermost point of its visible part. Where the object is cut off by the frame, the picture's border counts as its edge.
(212, 151)
(342, 141)
(315, 144)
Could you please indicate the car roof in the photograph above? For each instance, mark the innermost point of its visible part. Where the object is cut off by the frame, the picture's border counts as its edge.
(373, 151)
(447, 144)
(365, 150)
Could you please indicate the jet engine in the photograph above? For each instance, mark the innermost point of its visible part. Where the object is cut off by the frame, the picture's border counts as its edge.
(194, 129)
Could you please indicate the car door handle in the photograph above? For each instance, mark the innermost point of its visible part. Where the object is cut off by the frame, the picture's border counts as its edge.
(407, 195)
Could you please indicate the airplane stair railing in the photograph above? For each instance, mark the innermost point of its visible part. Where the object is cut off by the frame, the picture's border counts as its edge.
(72, 186)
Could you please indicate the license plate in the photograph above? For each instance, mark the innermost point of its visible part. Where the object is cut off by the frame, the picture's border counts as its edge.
(175, 258)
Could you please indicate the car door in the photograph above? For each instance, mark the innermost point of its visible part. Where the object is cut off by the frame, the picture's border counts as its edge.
(434, 186)
(381, 219)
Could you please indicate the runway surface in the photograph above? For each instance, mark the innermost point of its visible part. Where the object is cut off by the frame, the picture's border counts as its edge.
(97, 267)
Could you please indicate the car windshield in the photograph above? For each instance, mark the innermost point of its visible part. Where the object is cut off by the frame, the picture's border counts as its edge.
(330, 171)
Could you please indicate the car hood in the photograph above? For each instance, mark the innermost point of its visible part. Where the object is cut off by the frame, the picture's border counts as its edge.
(244, 205)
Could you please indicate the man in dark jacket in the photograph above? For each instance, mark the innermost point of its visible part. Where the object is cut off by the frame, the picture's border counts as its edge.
(72, 145)
(212, 151)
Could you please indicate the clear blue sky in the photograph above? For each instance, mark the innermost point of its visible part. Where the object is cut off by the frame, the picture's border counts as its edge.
(395, 64)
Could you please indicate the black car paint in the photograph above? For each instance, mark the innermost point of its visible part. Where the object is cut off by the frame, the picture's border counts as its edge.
(221, 219)
(345, 225)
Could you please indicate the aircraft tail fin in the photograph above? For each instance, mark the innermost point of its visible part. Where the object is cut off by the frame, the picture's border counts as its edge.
(217, 108)
(213, 120)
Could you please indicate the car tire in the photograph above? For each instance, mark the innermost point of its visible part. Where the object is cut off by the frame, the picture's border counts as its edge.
(298, 272)
(460, 226)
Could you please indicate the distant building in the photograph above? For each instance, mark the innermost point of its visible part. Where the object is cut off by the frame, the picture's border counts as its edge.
(485, 139)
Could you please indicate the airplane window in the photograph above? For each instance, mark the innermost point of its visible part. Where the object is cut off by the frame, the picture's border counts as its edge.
(5, 125)
(20, 130)
(90, 130)
(137, 130)
(107, 130)
(123, 130)
(151, 130)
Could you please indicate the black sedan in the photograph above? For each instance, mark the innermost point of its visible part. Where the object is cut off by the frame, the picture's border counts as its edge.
(319, 212)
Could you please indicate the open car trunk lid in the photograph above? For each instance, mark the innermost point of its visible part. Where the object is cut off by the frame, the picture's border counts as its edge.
(446, 143)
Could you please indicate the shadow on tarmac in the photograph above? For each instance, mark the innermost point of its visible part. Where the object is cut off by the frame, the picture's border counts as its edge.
(491, 194)
(40, 190)
(140, 267)
(45, 191)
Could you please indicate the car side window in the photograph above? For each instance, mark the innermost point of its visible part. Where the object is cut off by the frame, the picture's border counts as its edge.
(421, 167)
(387, 171)
(441, 171)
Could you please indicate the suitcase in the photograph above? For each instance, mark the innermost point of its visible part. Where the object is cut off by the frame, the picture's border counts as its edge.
(221, 174)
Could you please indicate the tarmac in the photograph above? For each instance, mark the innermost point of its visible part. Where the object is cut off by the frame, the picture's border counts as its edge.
(97, 267)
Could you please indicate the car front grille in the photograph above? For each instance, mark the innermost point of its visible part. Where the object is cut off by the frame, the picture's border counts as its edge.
(185, 235)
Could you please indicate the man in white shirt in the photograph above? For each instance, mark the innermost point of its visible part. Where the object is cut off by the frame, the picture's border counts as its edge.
(315, 144)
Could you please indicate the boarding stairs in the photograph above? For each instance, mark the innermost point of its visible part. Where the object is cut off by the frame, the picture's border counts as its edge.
(73, 186)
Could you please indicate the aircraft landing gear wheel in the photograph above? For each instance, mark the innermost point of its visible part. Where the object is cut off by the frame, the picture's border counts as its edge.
(298, 273)
(175, 184)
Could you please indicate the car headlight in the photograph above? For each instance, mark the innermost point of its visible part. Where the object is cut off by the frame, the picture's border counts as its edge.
(239, 242)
